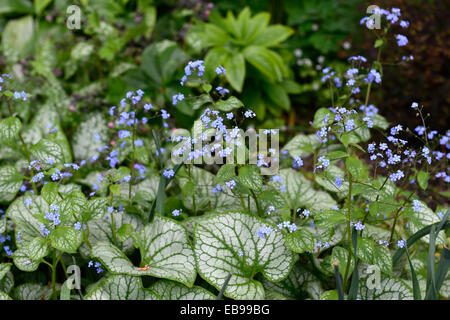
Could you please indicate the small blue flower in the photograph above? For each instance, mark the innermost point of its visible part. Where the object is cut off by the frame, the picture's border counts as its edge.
(401, 40)
(417, 205)
(168, 173)
(220, 70)
(338, 182)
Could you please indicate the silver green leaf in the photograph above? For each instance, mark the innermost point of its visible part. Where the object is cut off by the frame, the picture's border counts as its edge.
(4, 296)
(34, 291)
(300, 240)
(4, 269)
(7, 283)
(422, 218)
(26, 218)
(66, 239)
(171, 290)
(10, 182)
(295, 286)
(228, 243)
(387, 288)
(9, 128)
(85, 146)
(302, 145)
(47, 149)
(120, 287)
(300, 192)
(165, 248)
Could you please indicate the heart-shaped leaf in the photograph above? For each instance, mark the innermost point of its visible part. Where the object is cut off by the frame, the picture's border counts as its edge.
(171, 290)
(228, 243)
(120, 287)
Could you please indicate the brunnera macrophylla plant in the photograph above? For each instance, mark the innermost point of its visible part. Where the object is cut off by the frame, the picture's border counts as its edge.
(119, 206)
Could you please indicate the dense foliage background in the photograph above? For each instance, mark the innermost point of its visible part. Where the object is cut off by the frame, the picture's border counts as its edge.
(89, 117)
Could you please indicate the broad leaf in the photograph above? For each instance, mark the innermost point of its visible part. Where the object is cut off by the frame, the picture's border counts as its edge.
(9, 128)
(228, 243)
(170, 290)
(10, 182)
(301, 193)
(120, 287)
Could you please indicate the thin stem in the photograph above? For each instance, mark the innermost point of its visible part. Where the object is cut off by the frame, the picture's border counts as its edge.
(258, 208)
(349, 211)
(113, 225)
(25, 147)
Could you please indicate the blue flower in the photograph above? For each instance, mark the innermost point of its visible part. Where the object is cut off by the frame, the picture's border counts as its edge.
(297, 163)
(338, 182)
(401, 243)
(220, 70)
(124, 134)
(417, 205)
(168, 173)
(177, 97)
(401, 40)
(176, 212)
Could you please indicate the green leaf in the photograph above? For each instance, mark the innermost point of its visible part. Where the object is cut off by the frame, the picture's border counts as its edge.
(320, 116)
(300, 241)
(40, 5)
(230, 104)
(340, 255)
(4, 296)
(249, 177)
(66, 239)
(273, 35)
(228, 243)
(10, 182)
(26, 218)
(225, 173)
(329, 295)
(7, 283)
(278, 95)
(171, 290)
(16, 6)
(84, 144)
(422, 218)
(161, 60)
(266, 61)
(390, 288)
(378, 43)
(382, 258)
(300, 192)
(298, 285)
(72, 206)
(46, 149)
(120, 287)
(50, 192)
(4, 269)
(34, 291)
(422, 179)
(164, 248)
(355, 167)
(302, 145)
(235, 67)
(37, 248)
(9, 129)
(17, 36)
